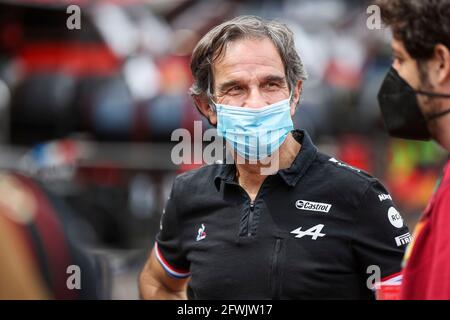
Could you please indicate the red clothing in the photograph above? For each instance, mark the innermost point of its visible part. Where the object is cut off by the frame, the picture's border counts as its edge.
(427, 271)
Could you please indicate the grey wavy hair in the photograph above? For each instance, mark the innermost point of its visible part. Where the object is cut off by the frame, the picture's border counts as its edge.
(213, 44)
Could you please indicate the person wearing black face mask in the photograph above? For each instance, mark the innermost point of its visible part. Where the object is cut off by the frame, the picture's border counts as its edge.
(401, 110)
(415, 103)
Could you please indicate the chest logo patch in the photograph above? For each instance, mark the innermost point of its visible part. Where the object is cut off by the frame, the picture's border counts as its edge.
(201, 234)
(312, 206)
(313, 232)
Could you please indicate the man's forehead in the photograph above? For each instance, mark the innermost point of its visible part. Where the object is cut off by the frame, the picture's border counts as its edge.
(249, 55)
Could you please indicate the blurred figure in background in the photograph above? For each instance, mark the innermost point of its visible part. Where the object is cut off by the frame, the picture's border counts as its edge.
(40, 245)
(415, 102)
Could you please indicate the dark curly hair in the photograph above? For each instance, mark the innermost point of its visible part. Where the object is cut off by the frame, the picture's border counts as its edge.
(419, 24)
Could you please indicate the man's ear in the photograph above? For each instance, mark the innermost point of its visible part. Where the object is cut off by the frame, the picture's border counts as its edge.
(203, 106)
(296, 96)
(441, 64)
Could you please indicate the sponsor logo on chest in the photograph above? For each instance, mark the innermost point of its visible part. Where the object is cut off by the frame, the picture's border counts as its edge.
(312, 206)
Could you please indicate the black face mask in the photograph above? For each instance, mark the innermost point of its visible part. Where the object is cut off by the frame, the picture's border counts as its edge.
(401, 111)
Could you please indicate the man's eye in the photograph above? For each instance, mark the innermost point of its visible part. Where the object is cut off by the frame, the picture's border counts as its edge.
(272, 85)
(234, 90)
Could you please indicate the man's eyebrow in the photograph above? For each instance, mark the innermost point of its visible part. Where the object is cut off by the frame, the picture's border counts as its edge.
(273, 78)
(270, 78)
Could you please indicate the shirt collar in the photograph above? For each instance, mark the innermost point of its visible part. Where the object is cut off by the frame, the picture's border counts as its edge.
(291, 175)
(446, 176)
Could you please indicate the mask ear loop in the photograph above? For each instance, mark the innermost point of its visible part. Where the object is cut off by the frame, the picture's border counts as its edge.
(434, 95)
(290, 97)
(298, 102)
(212, 105)
(437, 115)
(211, 102)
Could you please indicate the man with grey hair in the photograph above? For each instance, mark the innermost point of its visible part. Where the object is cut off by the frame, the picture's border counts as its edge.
(309, 228)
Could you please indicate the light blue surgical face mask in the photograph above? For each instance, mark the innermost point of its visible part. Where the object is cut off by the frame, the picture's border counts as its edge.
(254, 133)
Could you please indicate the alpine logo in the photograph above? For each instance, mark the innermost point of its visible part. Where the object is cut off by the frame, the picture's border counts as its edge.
(312, 206)
(403, 239)
(313, 232)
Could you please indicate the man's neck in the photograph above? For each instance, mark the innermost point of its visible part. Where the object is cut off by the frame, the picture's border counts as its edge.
(251, 176)
(441, 130)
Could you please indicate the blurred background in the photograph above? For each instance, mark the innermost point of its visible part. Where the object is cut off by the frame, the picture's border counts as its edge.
(86, 117)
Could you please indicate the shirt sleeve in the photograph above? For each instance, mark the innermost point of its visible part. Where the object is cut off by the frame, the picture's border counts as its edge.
(168, 244)
(380, 234)
(433, 247)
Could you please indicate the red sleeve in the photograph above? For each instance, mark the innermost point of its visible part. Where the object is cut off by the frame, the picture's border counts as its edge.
(439, 286)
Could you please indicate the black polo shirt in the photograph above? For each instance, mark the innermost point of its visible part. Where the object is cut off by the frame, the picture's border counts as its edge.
(311, 233)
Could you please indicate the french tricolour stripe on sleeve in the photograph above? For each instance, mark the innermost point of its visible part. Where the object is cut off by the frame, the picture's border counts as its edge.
(394, 279)
(174, 272)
